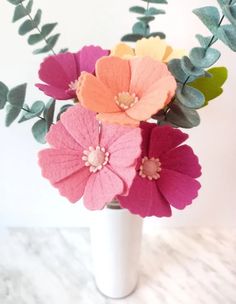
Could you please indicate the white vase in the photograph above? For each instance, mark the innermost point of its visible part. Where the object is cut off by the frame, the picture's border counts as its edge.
(116, 240)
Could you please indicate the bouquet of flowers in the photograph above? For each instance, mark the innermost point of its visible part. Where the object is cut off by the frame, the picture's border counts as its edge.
(119, 139)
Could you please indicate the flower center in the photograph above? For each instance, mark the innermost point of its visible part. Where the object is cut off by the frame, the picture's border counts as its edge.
(95, 158)
(73, 85)
(150, 168)
(125, 100)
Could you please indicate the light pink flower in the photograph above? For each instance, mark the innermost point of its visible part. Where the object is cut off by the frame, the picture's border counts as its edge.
(166, 173)
(90, 159)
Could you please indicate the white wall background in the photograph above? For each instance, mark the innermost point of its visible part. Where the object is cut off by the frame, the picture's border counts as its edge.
(26, 199)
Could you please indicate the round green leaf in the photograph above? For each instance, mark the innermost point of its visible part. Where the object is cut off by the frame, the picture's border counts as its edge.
(12, 113)
(131, 37)
(157, 34)
(36, 109)
(49, 112)
(15, 2)
(51, 42)
(154, 11)
(227, 34)
(156, 1)
(190, 97)
(177, 71)
(140, 28)
(40, 130)
(209, 15)
(3, 95)
(189, 68)
(202, 58)
(137, 9)
(16, 96)
(146, 19)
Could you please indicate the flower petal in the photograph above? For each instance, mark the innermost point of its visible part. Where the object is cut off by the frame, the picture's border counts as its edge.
(59, 70)
(153, 47)
(146, 134)
(58, 164)
(145, 199)
(59, 138)
(95, 96)
(126, 149)
(118, 118)
(114, 73)
(101, 189)
(144, 72)
(122, 50)
(178, 189)
(182, 160)
(155, 99)
(56, 93)
(73, 186)
(88, 57)
(82, 125)
(163, 139)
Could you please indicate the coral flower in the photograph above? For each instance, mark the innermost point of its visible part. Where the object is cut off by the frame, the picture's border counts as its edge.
(166, 173)
(155, 48)
(89, 159)
(126, 91)
(61, 72)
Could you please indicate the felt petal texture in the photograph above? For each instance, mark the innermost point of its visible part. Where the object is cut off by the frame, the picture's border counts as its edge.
(118, 118)
(154, 99)
(60, 72)
(122, 50)
(88, 57)
(114, 73)
(182, 160)
(73, 186)
(59, 164)
(145, 199)
(58, 137)
(95, 96)
(164, 139)
(102, 188)
(178, 189)
(82, 126)
(146, 134)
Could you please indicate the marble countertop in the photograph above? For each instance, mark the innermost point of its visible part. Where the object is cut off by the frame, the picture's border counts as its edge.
(53, 266)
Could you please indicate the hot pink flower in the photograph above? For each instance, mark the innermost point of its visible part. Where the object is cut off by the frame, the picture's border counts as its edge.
(165, 174)
(61, 72)
(91, 159)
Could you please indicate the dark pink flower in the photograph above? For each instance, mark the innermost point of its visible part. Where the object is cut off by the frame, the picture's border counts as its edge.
(166, 173)
(61, 72)
(96, 161)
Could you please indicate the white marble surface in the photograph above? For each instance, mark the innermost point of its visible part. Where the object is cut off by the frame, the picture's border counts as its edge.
(53, 266)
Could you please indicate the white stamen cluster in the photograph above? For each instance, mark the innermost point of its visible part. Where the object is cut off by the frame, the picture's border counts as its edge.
(95, 158)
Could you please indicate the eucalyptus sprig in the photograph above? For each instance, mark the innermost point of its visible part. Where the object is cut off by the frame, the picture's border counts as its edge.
(196, 85)
(147, 14)
(33, 23)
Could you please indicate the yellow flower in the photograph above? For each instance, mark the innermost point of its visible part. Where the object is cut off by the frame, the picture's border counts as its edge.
(153, 47)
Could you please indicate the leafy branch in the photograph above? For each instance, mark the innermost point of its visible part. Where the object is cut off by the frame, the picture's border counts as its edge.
(141, 28)
(33, 23)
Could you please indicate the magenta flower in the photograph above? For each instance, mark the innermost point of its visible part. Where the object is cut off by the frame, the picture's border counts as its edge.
(61, 72)
(90, 159)
(166, 173)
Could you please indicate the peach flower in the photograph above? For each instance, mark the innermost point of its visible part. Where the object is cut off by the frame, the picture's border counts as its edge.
(126, 91)
(153, 47)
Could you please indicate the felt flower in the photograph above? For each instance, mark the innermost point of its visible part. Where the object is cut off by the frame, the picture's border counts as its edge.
(153, 47)
(126, 91)
(89, 159)
(61, 72)
(166, 173)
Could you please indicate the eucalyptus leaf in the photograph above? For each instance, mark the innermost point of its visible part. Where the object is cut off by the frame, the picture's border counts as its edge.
(26, 27)
(190, 69)
(227, 34)
(49, 112)
(137, 9)
(204, 58)
(190, 97)
(230, 12)
(21, 11)
(175, 67)
(131, 37)
(210, 16)
(3, 94)
(140, 28)
(156, 1)
(211, 87)
(45, 31)
(51, 41)
(37, 18)
(146, 19)
(40, 130)
(62, 110)
(16, 96)
(154, 11)
(182, 117)
(157, 34)
(35, 110)
(64, 50)
(205, 41)
(12, 113)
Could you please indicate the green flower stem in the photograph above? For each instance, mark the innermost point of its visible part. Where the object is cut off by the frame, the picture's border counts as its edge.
(38, 29)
